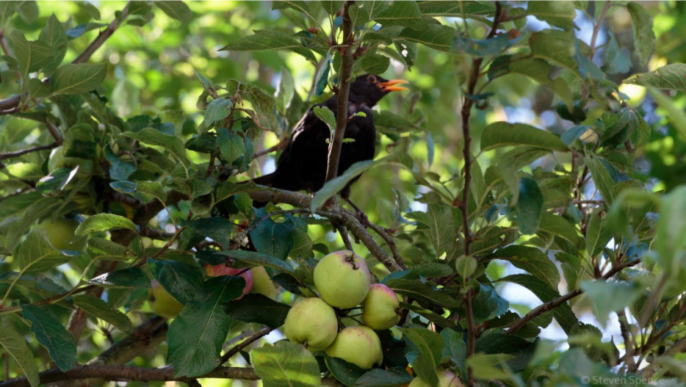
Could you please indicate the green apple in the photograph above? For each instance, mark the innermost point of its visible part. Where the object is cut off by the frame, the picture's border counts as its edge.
(61, 234)
(358, 345)
(164, 304)
(312, 323)
(263, 284)
(342, 279)
(380, 307)
(445, 379)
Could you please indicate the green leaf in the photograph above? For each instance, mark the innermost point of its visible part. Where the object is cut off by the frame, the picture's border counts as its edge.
(610, 297)
(558, 225)
(430, 344)
(601, 178)
(597, 234)
(101, 248)
(217, 110)
(383, 378)
(563, 313)
(484, 366)
(483, 47)
(676, 114)
(155, 137)
(403, 13)
(37, 255)
(616, 61)
(285, 364)
(52, 335)
(153, 188)
(103, 311)
(53, 35)
(296, 5)
(670, 77)
(422, 292)
(510, 163)
(133, 277)
(557, 13)
(438, 37)
(176, 10)
(644, 37)
(531, 260)
(500, 134)
(488, 304)
(15, 346)
(216, 228)
(456, 8)
(556, 46)
(574, 133)
(28, 10)
(571, 268)
(441, 220)
(499, 343)
(371, 64)
(77, 78)
(325, 114)
(425, 370)
(332, 7)
(181, 281)
(529, 206)
(31, 56)
(269, 40)
(257, 308)
(7, 10)
(466, 266)
(104, 222)
(538, 70)
(273, 238)
(670, 233)
(455, 348)
(345, 372)
(252, 259)
(230, 145)
(196, 335)
(90, 9)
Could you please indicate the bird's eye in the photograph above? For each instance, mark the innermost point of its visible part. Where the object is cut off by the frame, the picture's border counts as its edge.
(371, 78)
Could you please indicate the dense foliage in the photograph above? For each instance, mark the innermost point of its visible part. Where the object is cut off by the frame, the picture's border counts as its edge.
(539, 152)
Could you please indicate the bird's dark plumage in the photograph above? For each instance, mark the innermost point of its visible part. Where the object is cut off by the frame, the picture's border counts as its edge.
(303, 163)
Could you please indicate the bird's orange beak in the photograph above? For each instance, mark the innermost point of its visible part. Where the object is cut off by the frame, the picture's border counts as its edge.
(391, 85)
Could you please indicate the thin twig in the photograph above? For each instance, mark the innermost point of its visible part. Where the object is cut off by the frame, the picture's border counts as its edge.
(18, 153)
(344, 235)
(343, 91)
(231, 352)
(550, 305)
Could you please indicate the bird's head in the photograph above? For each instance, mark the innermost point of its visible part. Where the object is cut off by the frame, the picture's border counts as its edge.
(370, 88)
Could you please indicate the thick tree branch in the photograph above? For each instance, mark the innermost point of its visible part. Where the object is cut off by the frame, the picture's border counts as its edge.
(343, 91)
(127, 372)
(148, 334)
(550, 305)
(340, 215)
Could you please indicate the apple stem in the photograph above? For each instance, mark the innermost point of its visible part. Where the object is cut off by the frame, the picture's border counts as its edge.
(351, 260)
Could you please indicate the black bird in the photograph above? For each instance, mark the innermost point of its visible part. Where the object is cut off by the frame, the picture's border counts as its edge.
(303, 163)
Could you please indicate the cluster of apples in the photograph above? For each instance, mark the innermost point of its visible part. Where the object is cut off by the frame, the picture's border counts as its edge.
(344, 282)
(256, 281)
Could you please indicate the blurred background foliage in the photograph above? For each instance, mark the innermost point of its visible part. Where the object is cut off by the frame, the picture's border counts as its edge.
(151, 71)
